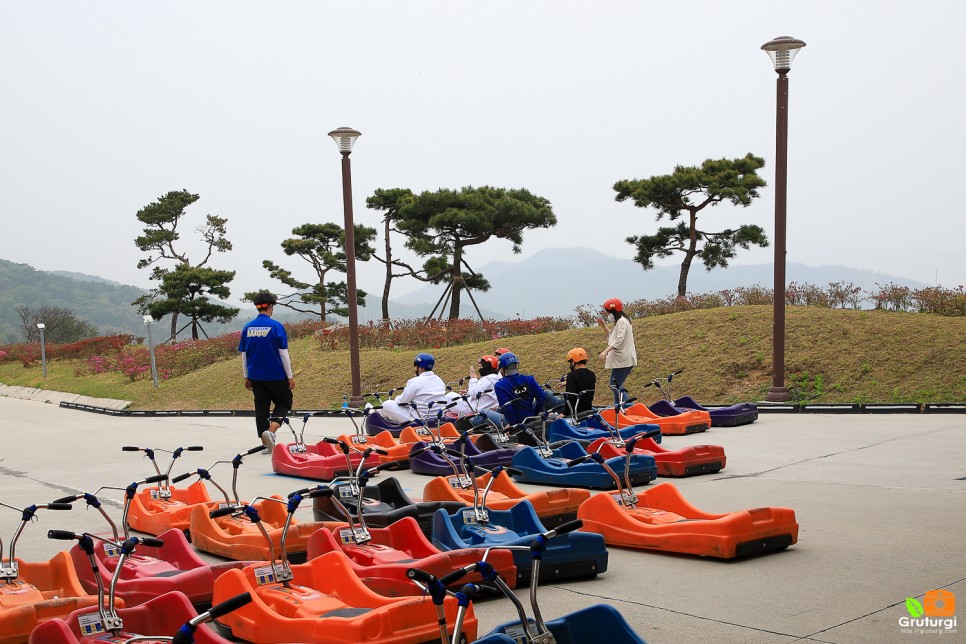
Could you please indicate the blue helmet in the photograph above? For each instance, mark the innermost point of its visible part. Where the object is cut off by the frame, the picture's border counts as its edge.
(424, 361)
(507, 359)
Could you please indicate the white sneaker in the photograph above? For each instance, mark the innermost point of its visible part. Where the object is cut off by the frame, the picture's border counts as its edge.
(268, 440)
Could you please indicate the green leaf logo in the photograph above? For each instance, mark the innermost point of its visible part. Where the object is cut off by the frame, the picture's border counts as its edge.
(914, 607)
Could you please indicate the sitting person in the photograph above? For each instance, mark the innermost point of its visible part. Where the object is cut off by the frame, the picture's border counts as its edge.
(520, 396)
(424, 388)
(480, 400)
(580, 381)
(552, 402)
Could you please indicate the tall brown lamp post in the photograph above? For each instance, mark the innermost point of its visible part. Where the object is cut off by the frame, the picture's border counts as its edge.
(345, 137)
(781, 50)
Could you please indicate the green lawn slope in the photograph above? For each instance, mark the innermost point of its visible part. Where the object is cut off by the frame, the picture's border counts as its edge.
(832, 355)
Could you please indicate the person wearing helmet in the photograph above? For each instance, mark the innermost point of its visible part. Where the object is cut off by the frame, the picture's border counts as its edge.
(580, 381)
(479, 400)
(620, 356)
(419, 391)
(520, 396)
(267, 367)
(499, 352)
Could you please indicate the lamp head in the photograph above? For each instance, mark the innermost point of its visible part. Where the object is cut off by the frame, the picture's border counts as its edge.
(782, 51)
(41, 326)
(148, 319)
(345, 138)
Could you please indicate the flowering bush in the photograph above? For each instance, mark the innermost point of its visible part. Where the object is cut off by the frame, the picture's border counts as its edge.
(893, 297)
(940, 301)
(28, 354)
(437, 333)
(134, 361)
(189, 355)
(90, 347)
(845, 294)
(936, 300)
(304, 329)
(95, 365)
(754, 295)
(806, 295)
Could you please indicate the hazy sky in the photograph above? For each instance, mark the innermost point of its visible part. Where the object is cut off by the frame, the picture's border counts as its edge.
(108, 105)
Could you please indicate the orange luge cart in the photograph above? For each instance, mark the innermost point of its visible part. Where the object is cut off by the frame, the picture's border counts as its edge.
(690, 422)
(390, 448)
(229, 532)
(323, 601)
(161, 507)
(554, 507)
(32, 593)
(661, 519)
(381, 557)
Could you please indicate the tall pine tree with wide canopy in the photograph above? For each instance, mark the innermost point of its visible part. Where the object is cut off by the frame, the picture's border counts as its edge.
(441, 225)
(680, 196)
(185, 288)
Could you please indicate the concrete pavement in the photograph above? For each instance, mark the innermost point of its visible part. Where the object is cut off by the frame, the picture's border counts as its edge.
(880, 499)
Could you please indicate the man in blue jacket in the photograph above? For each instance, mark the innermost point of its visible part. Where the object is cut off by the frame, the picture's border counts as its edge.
(520, 396)
(267, 368)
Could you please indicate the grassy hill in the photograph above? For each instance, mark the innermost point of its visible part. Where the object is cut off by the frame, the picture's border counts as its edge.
(103, 303)
(106, 305)
(841, 355)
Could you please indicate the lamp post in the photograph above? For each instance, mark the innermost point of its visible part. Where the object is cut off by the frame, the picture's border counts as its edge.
(345, 137)
(781, 50)
(148, 321)
(43, 347)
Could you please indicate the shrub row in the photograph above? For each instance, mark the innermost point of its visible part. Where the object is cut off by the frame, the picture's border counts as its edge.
(437, 333)
(936, 300)
(29, 353)
(171, 359)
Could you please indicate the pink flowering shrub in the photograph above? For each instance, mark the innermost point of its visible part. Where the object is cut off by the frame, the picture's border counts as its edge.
(437, 333)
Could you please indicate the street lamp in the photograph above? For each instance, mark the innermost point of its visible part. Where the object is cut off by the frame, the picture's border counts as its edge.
(345, 137)
(148, 321)
(43, 347)
(781, 50)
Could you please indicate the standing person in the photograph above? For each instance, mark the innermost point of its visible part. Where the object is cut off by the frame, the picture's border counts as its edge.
(620, 356)
(267, 367)
(419, 391)
(581, 382)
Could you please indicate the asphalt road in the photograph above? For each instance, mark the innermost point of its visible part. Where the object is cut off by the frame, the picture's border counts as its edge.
(881, 501)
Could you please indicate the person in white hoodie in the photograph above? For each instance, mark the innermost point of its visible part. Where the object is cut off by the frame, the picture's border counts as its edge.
(419, 391)
(620, 356)
(480, 393)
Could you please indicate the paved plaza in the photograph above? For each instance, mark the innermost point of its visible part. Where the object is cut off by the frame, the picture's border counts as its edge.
(880, 498)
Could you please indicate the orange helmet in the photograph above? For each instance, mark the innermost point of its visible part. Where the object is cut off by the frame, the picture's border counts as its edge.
(577, 355)
(493, 361)
(501, 351)
(613, 304)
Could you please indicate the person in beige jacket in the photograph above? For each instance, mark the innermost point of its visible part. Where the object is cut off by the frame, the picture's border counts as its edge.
(620, 356)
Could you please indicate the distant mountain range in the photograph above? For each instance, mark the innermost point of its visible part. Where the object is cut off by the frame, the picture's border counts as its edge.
(556, 281)
(551, 282)
(105, 304)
